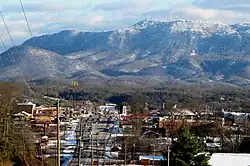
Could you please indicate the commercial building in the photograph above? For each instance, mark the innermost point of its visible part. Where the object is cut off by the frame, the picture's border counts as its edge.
(25, 107)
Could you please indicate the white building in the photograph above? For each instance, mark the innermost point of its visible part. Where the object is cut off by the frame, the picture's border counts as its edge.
(26, 107)
(124, 111)
(108, 107)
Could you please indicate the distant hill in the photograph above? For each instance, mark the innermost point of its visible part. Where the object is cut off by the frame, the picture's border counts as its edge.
(147, 52)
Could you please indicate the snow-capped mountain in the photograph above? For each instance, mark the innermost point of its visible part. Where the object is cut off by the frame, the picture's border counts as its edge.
(181, 49)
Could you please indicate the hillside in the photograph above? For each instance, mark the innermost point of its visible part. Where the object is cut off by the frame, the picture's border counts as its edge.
(149, 51)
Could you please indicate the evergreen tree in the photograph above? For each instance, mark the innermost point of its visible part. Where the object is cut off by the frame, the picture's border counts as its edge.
(187, 150)
(244, 146)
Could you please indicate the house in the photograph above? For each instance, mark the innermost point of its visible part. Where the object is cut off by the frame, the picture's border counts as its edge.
(183, 113)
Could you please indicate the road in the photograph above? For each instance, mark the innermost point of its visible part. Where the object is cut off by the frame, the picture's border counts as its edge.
(94, 148)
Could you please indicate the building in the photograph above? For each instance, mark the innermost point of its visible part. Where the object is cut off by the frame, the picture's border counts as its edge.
(108, 107)
(45, 111)
(173, 124)
(183, 113)
(124, 111)
(149, 160)
(237, 118)
(25, 107)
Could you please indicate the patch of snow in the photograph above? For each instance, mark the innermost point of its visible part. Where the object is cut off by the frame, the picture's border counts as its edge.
(193, 53)
(129, 70)
(78, 55)
(75, 32)
(229, 159)
(203, 27)
(145, 24)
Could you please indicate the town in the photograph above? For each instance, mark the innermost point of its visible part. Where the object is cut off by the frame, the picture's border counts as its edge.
(124, 83)
(117, 134)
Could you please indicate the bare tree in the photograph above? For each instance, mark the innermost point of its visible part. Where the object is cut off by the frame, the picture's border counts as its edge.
(15, 136)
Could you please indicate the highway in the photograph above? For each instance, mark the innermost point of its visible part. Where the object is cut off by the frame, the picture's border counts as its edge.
(95, 148)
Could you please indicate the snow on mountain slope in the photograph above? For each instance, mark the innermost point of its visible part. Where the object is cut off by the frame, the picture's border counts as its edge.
(35, 63)
(181, 49)
(203, 27)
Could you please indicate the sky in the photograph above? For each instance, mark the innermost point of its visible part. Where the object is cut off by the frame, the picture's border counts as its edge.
(50, 16)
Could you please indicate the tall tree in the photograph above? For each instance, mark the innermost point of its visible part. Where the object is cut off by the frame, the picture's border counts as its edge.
(187, 150)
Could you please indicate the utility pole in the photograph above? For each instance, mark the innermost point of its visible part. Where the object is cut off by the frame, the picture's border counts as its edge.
(109, 150)
(75, 85)
(133, 151)
(96, 149)
(154, 155)
(41, 153)
(110, 154)
(23, 145)
(125, 155)
(168, 155)
(79, 148)
(246, 124)
(58, 135)
(105, 150)
(91, 146)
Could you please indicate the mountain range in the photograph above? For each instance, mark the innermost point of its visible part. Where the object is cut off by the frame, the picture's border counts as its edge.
(147, 52)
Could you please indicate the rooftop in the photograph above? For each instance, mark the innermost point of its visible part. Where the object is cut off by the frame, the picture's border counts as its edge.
(151, 158)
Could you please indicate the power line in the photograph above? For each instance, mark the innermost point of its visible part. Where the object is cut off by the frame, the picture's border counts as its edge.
(58, 108)
(23, 77)
(6, 27)
(31, 35)
(26, 19)
(5, 48)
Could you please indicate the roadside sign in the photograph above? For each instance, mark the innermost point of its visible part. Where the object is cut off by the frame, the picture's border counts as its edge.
(44, 119)
(75, 83)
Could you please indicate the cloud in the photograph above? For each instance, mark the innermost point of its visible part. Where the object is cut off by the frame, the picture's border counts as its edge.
(35, 7)
(233, 5)
(202, 14)
(53, 16)
(216, 3)
(197, 13)
(227, 11)
(96, 19)
(133, 5)
(224, 16)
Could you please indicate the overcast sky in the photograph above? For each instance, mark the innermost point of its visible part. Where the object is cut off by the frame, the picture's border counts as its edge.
(49, 16)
